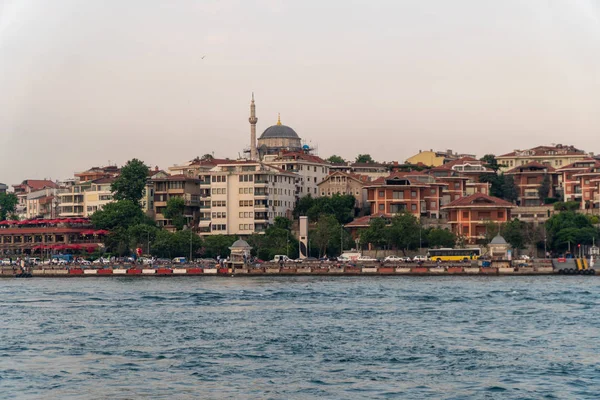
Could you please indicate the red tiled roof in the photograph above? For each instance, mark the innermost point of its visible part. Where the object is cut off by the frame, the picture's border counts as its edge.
(591, 161)
(104, 180)
(479, 200)
(531, 164)
(36, 184)
(541, 151)
(358, 177)
(363, 221)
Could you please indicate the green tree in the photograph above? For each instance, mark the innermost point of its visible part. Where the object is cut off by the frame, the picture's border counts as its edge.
(174, 211)
(324, 232)
(217, 245)
(131, 182)
(509, 189)
(123, 213)
(441, 238)
(514, 233)
(403, 232)
(491, 230)
(364, 158)
(142, 235)
(496, 184)
(8, 204)
(375, 234)
(339, 205)
(544, 189)
(569, 228)
(490, 161)
(336, 159)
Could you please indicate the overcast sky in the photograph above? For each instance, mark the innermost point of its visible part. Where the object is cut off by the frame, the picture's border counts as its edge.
(85, 83)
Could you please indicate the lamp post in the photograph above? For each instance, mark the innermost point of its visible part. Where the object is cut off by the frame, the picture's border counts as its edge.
(191, 233)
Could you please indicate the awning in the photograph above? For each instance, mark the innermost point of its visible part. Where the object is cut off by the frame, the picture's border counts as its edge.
(204, 224)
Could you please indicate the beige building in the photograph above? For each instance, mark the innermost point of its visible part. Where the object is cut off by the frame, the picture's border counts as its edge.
(435, 158)
(42, 204)
(309, 169)
(167, 187)
(85, 198)
(343, 183)
(555, 156)
(244, 197)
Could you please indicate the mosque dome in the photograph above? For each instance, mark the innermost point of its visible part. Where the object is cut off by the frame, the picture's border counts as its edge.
(499, 240)
(240, 244)
(279, 131)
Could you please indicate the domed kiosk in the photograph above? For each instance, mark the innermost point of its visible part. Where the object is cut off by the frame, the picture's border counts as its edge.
(240, 252)
(498, 248)
(278, 137)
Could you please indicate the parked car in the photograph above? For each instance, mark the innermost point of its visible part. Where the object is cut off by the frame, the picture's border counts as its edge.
(393, 259)
(418, 258)
(5, 261)
(179, 260)
(525, 257)
(101, 260)
(280, 257)
(366, 259)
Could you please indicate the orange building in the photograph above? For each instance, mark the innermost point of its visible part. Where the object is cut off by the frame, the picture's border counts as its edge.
(529, 178)
(468, 215)
(570, 183)
(413, 192)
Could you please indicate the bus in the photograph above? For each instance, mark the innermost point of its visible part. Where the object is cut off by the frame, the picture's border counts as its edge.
(454, 254)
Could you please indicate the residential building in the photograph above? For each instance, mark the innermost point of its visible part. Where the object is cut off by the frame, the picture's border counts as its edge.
(3, 188)
(555, 156)
(570, 182)
(83, 199)
(244, 197)
(148, 195)
(24, 188)
(372, 170)
(94, 173)
(469, 215)
(435, 158)
(172, 186)
(42, 204)
(309, 169)
(413, 192)
(589, 182)
(528, 180)
(343, 183)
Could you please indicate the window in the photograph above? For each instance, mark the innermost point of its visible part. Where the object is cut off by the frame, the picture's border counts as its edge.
(432, 205)
(396, 195)
(413, 194)
(465, 214)
(382, 207)
(413, 207)
(500, 214)
(456, 185)
(381, 193)
(433, 191)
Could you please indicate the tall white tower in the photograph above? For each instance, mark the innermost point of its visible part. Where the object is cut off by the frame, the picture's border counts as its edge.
(253, 120)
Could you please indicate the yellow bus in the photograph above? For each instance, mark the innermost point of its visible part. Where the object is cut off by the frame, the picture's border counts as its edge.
(454, 254)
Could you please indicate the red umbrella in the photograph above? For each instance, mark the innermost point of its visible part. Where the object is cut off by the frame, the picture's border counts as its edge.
(90, 232)
(101, 232)
(4, 222)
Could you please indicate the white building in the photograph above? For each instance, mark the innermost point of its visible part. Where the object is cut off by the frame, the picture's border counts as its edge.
(244, 197)
(311, 170)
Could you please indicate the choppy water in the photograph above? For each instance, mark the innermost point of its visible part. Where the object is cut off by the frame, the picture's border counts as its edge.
(301, 338)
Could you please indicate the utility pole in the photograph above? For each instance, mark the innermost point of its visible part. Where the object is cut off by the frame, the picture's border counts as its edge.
(341, 239)
(148, 232)
(191, 233)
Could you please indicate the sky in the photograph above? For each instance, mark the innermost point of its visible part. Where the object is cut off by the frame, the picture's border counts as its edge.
(97, 82)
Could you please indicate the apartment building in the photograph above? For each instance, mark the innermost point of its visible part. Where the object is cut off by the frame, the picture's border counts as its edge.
(83, 199)
(528, 179)
(42, 204)
(570, 183)
(342, 183)
(469, 215)
(433, 158)
(94, 173)
(167, 187)
(414, 192)
(3, 188)
(372, 170)
(244, 197)
(589, 184)
(309, 169)
(26, 187)
(555, 156)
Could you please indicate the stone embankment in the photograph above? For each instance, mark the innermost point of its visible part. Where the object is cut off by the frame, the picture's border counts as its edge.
(496, 268)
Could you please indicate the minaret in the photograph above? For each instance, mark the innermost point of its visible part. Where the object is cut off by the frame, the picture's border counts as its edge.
(253, 120)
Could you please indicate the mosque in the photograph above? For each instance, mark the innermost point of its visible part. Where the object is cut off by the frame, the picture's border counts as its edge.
(274, 140)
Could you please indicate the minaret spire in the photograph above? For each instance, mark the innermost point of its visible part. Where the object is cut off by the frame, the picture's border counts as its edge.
(253, 120)
(278, 119)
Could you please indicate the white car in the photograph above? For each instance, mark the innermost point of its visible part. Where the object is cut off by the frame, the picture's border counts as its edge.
(418, 258)
(393, 259)
(5, 261)
(366, 259)
(101, 260)
(525, 257)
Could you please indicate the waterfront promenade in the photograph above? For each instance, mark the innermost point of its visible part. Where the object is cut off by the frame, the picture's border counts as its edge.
(497, 268)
